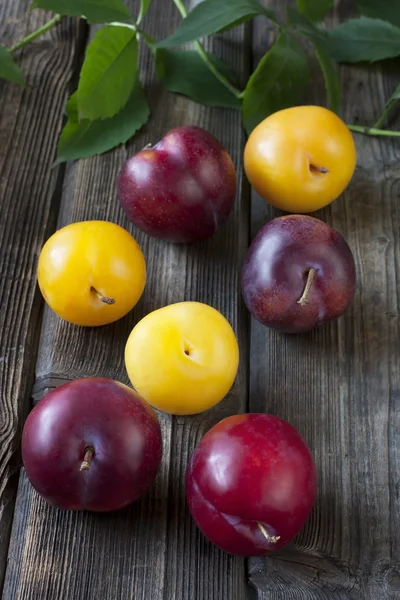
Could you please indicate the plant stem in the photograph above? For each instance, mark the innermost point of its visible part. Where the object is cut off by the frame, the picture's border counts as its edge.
(140, 15)
(385, 113)
(203, 54)
(32, 36)
(150, 41)
(128, 25)
(206, 59)
(89, 453)
(373, 130)
(310, 278)
(104, 299)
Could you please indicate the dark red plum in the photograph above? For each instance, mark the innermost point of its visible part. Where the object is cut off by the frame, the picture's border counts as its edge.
(180, 190)
(299, 273)
(92, 444)
(251, 484)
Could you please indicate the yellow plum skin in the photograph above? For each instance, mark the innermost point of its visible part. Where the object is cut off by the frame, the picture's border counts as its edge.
(88, 259)
(182, 358)
(300, 159)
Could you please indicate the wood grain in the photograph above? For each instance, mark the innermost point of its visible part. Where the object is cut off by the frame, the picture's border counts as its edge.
(151, 550)
(29, 195)
(340, 385)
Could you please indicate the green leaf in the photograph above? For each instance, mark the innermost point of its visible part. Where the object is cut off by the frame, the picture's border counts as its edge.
(144, 7)
(184, 72)
(279, 81)
(212, 16)
(315, 10)
(364, 39)
(95, 11)
(319, 40)
(387, 10)
(305, 26)
(8, 68)
(72, 107)
(332, 82)
(80, 139)
(108, 73)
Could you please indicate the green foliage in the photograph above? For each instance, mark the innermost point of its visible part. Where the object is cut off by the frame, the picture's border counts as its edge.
(95, 11)
(315, 10)
(212, 16)
(109, 105)
(80, 139)
(279, 81)
(8, 68)
(332, 83)
(108, 73)
(319, 40)
(364, 40)
(184, 72)
(387, 10)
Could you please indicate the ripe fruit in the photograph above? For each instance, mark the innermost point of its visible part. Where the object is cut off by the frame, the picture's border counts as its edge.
(182, 358)
(180, 190)
(299, 273)
(92, 444)
(251, 484)
(91, 273)
(300, 159)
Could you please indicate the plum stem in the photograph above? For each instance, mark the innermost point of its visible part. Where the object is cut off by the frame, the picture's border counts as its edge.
(272, 539)
(310, 277)
(89, 453)
(316, 169)
(104, 299)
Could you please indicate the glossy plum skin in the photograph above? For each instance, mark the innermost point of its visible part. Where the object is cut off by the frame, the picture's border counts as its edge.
(180, 190)
(248, 470)
(103, 414)
(276, 268)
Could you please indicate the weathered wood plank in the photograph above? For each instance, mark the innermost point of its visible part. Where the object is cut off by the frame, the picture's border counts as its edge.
(341, 385)
(29, 196)
(152, 549)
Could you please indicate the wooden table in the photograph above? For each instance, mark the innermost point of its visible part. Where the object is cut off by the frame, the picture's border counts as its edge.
(340, 385)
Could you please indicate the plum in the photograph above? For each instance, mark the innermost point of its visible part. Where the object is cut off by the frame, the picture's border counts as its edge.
(181, 189)
(92, 444)
(251, 484)
(299, 273)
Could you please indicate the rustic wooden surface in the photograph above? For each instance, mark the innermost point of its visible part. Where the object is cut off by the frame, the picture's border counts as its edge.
(153, 549)
(339, 385)
(29, 197)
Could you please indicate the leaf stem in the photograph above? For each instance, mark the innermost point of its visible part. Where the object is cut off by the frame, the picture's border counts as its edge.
(390, 106)
(373, 130)
(131, 26)
(38, 32)
(140, 15)
(206, 59)
(147, 38)
(203, 54)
